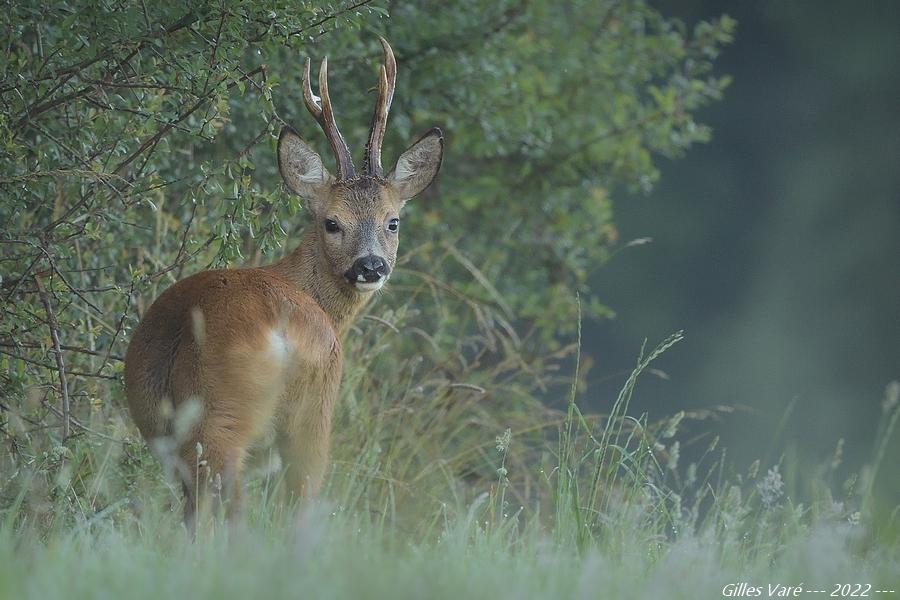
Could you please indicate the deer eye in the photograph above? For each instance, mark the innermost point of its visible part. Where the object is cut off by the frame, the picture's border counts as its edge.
(393, 225)
(331, 226)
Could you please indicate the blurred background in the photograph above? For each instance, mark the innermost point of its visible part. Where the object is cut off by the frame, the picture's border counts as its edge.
(776, 246)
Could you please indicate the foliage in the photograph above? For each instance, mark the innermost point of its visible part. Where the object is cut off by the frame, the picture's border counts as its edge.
(137, 147)
(113, 177)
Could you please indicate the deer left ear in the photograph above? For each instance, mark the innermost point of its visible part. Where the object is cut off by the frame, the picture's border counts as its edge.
(301, 168)
(417, 167)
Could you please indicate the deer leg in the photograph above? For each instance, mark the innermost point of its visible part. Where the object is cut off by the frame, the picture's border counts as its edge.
(304, 429)
(241, 397)
(303, 445)
(210, 477)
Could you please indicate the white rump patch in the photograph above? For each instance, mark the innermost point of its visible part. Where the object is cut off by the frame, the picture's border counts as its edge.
(278, 345)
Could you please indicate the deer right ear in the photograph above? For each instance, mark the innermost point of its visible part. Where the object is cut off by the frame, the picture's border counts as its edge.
(300, 166)
(418, 166)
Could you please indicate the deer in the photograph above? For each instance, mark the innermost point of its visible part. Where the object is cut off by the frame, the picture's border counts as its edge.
(260, 348)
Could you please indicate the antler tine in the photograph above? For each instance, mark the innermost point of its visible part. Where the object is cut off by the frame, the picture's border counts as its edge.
(324, 114)
(387, 81)
(338, 145)
(312, 104)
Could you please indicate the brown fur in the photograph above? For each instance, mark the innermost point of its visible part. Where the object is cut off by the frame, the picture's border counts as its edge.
(210, 337)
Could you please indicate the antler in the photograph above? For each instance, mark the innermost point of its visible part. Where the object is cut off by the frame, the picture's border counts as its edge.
(387, 80)
(324, 114)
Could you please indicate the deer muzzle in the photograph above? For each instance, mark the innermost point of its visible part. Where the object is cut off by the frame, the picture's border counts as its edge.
(368, 273)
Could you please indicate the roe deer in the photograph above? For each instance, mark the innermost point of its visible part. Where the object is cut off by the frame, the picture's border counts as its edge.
(259, 348)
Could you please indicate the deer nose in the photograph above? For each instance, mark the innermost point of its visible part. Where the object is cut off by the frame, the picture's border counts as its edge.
(368, 269)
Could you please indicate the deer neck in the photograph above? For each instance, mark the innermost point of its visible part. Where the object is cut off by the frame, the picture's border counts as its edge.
(306, 268)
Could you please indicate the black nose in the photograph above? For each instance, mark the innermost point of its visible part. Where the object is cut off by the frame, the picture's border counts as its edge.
(368, 269)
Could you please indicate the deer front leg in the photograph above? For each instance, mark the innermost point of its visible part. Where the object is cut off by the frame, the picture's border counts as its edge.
(304, 431)
(303, 447)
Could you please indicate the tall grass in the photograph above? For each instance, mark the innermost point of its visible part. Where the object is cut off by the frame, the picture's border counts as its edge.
(449, 477)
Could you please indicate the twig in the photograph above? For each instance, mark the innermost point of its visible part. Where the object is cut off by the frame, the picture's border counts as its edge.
(56, 271)
(48, 366)
(329, 17)
(202, 100)
(180, 261)
(118, 329)
(60, 364)
(256, 140)
(184, 237)
(66, 347)
(215, 46)
(81, 425)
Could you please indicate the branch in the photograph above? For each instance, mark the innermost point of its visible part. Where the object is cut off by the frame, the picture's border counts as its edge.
(81, 425)
(66, 347)
(168, 126)
(329, 17)
(50, 367)
(60, 364)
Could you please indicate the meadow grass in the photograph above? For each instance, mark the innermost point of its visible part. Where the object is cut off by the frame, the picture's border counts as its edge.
(436, 493)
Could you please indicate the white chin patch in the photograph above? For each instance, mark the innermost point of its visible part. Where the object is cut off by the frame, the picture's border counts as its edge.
(363, 286)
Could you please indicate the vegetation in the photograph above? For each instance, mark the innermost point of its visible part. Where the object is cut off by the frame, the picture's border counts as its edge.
(612, 512)
(137, 147)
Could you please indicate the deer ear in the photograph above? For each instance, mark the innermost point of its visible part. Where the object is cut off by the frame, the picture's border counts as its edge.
(417, 167)
(301, 167)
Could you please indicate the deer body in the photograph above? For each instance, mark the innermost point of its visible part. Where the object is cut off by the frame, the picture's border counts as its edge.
(259, 349)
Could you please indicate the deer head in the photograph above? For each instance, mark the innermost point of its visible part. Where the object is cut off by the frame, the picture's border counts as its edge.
(357, 217)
